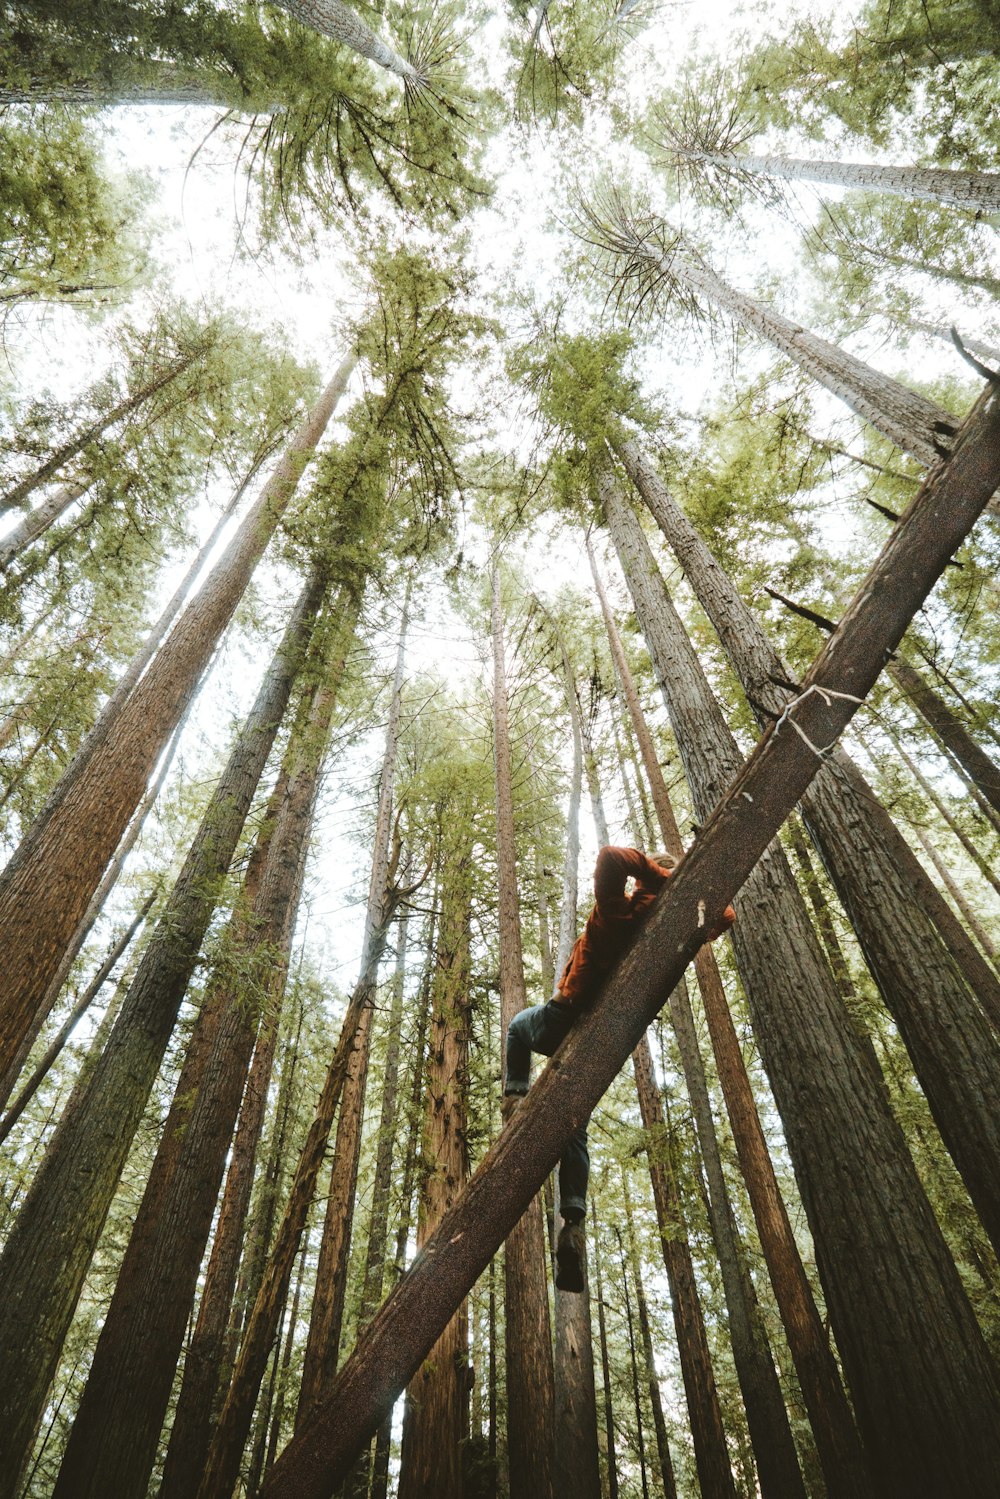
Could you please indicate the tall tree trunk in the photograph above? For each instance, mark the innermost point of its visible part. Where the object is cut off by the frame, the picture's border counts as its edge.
(936, 801)
(76, 444)
(48, 883)
(323, 1342)
(837, 1442)
(609, 1414)
(435, 1421)
(530, 1391)
(875, 1233)
(979, 191)
(576, 1450)
(667, 1480)
(974, 345)
(949, 728)
(221, 1466)
(711, 1456)
(62, 1218)
(634, 1362)
(955, 1051)
(112, 1447)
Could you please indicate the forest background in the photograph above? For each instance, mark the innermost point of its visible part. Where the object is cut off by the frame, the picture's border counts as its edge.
(502, 244)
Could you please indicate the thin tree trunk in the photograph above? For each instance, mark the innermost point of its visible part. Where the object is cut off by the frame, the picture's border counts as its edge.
(955, 1051)
(609, 1414)
(75, 445)
(323, 1343)
(974, 345)
(968, 914)
(667, 1481)
(221, 1466)
(435, 1421)
(634, 1362)
(63, 1217)
(71, 841)
(74, 1017)
(980, 861)
(37, 521)
(530, 1391)
(949, 728)
(112, 1447)
(711, 1455)
(833, 1425)
(949, 1431)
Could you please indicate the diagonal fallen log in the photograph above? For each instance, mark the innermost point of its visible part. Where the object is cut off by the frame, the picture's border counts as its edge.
(726, 850)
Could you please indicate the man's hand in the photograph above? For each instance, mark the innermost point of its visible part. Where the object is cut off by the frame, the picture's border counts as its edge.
(722, 925)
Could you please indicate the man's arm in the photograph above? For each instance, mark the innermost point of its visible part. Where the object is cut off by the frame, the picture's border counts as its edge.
(613, 868)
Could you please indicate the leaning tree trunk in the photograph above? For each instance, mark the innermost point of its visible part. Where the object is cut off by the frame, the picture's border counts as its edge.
(875, 1233)
(838, 1446)
(530, 1392)
(76, 444)
(48, 883)
(952, 1433)
(435, 1421)
(979, 191)
(955, 1052)
(112, 1447)
(61, 1221)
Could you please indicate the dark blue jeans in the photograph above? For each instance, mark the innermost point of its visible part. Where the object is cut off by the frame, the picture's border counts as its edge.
(541, 1029)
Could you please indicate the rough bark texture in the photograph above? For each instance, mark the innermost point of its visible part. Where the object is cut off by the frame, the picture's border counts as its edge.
(530, 1390)
(332, 18)
(950, 1436)
(841, 1457)
(954, 1050)
(607, 1400)
(436, 1418)
(712, 1458)
(874, 1230)
(48, 883)
(62, 1218)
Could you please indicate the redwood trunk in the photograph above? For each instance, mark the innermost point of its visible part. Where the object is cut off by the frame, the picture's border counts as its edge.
(62, 1219)
(48, 883)
(949, 728)
(530, 1391)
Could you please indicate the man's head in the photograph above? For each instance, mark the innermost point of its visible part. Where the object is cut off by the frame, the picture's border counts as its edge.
(666, 860)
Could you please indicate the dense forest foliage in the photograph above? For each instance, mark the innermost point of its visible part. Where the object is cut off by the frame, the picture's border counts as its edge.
(437, 443)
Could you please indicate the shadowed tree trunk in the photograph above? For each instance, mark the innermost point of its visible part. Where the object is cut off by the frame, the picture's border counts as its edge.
(48, 883)
(863, 1199)
(955, 1052)
(949, 728)
(711, 1455)
(323, 1342)
(530, 1391)
(609, 1414)
(667, 1480)
(112, 1447)
(62, 1218)
(833, 1425)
